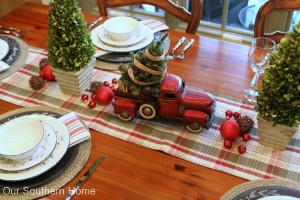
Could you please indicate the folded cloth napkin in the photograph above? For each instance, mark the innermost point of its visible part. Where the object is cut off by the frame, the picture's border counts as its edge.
(153, 24)
(77, 130)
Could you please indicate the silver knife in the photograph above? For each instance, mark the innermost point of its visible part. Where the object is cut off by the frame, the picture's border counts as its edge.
(84, 178)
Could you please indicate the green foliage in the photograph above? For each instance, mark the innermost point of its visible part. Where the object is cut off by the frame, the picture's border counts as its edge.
(279, 98)
(140, 75)
(69, 43)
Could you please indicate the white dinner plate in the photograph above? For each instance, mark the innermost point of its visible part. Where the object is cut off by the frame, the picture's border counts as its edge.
(45, 149)
(279, 198)
(149, 36)
(61, 147)
(137, 37)
(3, 49)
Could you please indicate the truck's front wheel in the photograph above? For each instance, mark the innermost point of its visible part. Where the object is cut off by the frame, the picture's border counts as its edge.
(194, 127)
(147, 111)
(125, 116)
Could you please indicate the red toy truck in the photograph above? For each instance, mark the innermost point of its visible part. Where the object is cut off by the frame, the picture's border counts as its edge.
(175, 104)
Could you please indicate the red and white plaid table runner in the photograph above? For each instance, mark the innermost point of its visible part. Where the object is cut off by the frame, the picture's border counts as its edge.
(205, 149)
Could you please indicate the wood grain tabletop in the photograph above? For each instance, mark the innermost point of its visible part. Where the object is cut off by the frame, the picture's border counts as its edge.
(134, 172)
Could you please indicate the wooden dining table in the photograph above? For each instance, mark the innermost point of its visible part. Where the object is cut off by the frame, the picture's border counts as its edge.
(131, 171)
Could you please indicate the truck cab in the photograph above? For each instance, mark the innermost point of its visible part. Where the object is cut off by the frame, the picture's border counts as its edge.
(175, 104)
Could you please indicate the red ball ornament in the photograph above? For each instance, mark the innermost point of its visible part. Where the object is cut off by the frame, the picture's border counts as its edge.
(104, 95)
(246, 137)
(93, 96)
(46, 73)
(242, 149)
(229, 130)
(84, 97)
(92, 104)
(236, 115)
(227, 144)
(114, 81)
(228, 114)
(106, 83)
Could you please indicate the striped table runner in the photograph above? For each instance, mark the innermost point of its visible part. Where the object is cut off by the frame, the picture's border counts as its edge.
(205, 149)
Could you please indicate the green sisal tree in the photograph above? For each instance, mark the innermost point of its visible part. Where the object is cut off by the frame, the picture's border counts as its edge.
(69, 43)
(279, 98)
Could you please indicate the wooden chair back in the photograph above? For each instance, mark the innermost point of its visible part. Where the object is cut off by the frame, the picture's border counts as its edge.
(263, 13)
(192, 18)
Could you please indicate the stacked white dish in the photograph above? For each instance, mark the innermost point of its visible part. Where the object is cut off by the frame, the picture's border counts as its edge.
(44, 154)
(122, 34)
(4, 48)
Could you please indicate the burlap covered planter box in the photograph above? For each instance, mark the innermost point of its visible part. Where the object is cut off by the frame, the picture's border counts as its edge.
(74, 83)
(277, 136)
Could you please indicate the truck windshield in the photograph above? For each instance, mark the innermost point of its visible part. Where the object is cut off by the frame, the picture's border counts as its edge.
(181, 89)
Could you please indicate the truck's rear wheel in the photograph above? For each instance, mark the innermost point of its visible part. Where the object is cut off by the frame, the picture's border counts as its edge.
(194, 127)
(147, 111)
(125, 116)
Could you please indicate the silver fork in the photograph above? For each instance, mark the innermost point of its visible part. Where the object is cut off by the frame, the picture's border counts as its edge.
(181, 55)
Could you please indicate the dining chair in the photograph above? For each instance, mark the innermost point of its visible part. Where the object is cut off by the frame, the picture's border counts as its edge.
(265, 10)
(192, 18)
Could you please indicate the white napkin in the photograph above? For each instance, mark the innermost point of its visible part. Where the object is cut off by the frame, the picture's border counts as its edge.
(78, 131)
(153, 24)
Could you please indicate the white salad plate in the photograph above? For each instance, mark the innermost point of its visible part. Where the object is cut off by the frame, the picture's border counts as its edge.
(148, 38)
(4, 48)
(61, 147)
(46, 147)
(137, 37)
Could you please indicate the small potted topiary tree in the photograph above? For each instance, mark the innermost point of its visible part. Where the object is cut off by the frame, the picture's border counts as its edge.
(70, 48)
(278, 103)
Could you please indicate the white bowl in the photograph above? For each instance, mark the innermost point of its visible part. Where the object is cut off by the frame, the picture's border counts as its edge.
(120, 28)
(20, 138)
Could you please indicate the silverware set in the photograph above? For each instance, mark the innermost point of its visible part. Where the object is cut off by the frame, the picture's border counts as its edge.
(179, 43)
(11, 31)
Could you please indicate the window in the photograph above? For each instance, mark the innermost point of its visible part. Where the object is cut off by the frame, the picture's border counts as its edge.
(170, 96)
(231, 20)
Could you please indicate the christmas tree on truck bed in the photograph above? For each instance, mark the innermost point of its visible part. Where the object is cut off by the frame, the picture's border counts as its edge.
(145, 74)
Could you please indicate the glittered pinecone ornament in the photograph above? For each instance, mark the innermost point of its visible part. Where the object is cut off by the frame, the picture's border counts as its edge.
(95, 85)
(43, 62)
(245, 123)
(36, 82)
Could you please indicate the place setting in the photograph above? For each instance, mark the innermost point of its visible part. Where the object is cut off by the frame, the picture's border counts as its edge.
(264, 189)
(13, 54)
(40, 147)
(118, 36)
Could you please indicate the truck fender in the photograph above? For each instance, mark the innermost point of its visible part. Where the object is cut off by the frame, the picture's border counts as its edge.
(194, 120)
(125, 109)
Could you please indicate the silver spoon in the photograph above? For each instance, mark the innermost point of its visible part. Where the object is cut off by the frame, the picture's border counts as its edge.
(181, 55)
(171, 56)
